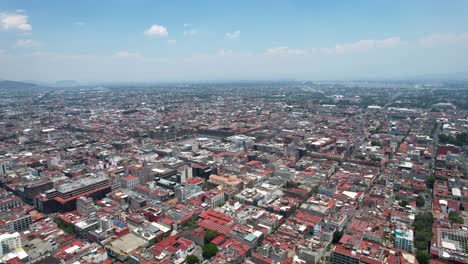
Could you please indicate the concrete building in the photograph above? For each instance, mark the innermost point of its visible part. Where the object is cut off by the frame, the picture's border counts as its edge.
(404, 238)
(85, 205)
(9, 242)
(15, 221)
(63, 197)
(214, 198)
(129, 182)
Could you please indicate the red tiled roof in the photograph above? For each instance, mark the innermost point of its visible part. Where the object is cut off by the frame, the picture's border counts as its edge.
(129, 178)
(222, 229)
(218, 240)
(442, 150)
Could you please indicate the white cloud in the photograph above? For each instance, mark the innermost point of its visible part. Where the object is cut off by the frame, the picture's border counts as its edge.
(156, 30)
(171, 41)
(444, 39)
(186, 25)
(80, 23)
(233, 35)
(14, 22)
(191, 32)
(25, 43)
(363, 45)
(284, 51)
(128, 55)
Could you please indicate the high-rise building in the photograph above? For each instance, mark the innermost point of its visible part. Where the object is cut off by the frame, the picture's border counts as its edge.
(85, 205)
(9, 242)
(404, 238)
(179, 193)
(3, 169)
(105, 223)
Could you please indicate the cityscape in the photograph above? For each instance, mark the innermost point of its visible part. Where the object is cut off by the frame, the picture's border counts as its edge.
(273, 172)
(219, 132)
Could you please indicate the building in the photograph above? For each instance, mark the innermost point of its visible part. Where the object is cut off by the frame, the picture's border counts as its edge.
(9, 243)
(358, 252)
(85, 225)
(129, 182)
(327, 190)
(63, 198)
(450, 245)
(345, 256)
(85, 205)
(9, 202)
(230, 182)
(404, 238)
(16, 219)
(137, 201)
(29, 190)
(3, 169)
(174, 246)
(213, 198)
(183, 193)
(142, 172)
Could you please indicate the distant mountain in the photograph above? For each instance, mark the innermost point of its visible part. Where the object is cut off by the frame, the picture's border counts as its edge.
(16, 86)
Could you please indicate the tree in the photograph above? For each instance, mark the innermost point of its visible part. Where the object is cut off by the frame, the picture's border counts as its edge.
(209, 250)
(192, 224)
(430, 181)
(192, 259)
(423, 257)
(337, 236)
(68, 228)
(420, 201)
(459, 140)
(210, 235)
(423, 230)
(455, 218)
(403, 203)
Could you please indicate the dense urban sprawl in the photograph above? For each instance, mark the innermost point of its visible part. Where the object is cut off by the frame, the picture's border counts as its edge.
(254, 172)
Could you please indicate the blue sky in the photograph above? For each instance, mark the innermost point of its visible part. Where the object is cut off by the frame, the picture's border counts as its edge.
(133, 40)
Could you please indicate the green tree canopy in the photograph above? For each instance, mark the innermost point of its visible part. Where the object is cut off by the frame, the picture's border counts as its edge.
(430, 181)
(209, 250)
(403, 203)
(455, 218)
(459, 140)
(423, 257)
(420, 201)
(210, 235)
(423, 230)
(192, 259)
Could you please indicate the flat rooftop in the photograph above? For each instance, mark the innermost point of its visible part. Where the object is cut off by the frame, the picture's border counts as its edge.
(126, 243)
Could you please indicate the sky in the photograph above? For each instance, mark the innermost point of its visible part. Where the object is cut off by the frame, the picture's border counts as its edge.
(183, 40)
